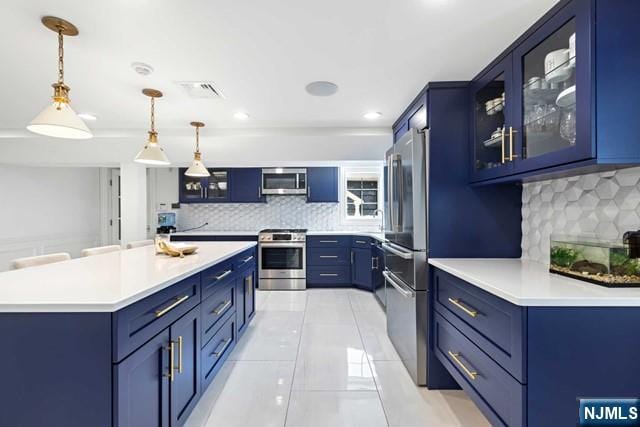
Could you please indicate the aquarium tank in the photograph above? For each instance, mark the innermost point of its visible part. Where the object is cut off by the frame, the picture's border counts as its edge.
(605, 263)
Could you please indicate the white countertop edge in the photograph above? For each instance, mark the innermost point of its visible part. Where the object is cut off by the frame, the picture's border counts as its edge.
(613, 298)
(372, 234)
(87, 307)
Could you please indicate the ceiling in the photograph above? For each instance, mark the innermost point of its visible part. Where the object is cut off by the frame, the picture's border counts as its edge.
(260, 54)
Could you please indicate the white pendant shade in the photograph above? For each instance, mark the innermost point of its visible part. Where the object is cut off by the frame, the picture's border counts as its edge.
(152, 154)
(60, 122)
(197, 169)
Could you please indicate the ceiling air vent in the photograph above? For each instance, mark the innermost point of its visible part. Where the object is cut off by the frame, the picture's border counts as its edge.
(200, 90)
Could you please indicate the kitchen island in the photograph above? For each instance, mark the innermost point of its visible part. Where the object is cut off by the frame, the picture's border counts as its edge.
(128, 338)
(526, 344)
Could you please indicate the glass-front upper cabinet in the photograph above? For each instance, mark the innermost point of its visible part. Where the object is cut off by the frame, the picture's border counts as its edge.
(491, 117)
(191, 188)
(217, 185)
(552, 80)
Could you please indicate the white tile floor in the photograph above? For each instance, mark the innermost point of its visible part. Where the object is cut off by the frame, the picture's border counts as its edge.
(322, 358)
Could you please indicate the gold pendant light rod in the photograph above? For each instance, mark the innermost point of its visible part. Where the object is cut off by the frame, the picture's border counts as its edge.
(152, 153)
(197, 169)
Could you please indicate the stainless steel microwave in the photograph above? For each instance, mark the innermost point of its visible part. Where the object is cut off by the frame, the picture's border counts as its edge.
(284, 181)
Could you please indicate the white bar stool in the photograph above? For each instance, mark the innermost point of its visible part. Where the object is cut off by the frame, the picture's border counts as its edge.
(140, 243)
(32, 261)
(99, 250)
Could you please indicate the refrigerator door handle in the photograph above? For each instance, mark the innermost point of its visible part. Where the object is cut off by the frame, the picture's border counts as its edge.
(407, 293)
(400, 183)
(390, 192)
(398, 252)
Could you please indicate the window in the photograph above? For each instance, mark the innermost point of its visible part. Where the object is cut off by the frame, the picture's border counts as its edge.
(362, 193)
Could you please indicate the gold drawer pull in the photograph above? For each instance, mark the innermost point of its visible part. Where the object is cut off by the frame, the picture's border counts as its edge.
(470, 373)
(177, 302)
(222, 307)
(471, 312)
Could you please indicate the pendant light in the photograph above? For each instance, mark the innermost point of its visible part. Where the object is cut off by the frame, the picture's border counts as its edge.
(58, 119)
(152, 153)
(197, 169)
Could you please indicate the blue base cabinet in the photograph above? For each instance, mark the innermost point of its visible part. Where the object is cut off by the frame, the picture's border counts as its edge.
(552, 104)
(527, 366)
(144, 365)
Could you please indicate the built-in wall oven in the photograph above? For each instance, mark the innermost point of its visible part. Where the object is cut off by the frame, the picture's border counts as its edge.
(284, 181)
(282, 259)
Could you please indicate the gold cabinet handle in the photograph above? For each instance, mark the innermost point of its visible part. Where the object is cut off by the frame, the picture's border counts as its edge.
(180, 354)
(177, 302)
(222, 307)
(511, 155)
(502, 145)
(172, 368)
(469, 372)
(470, 311)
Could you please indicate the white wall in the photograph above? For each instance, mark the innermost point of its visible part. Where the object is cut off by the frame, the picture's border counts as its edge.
(48, 209)
(133, 202)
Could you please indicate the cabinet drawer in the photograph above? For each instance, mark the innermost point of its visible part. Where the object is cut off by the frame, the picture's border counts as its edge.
(329, 275)
(215, 276)
(328, 256)
(246, 259)
(497, 394)
(361, 242)
(136, 324)
(495, 325)
(328, 241)
(217, 349)
(216, 309)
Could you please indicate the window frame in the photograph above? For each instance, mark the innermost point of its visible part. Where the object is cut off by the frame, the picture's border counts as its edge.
(347, 172)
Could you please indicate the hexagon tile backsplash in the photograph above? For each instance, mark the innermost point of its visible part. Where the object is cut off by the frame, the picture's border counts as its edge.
(278, 212)
(600, 205)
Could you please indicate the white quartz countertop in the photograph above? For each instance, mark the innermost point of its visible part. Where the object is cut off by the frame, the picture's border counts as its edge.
(373, 234)
(107, 282)
(528, 283)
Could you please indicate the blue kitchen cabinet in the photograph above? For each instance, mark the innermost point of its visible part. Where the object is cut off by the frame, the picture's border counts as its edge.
(246, 185)
(212, 189)
(141, 385)
(185, 385)
(414, 117)
(322, 185)
(570, 91)
(362, 268)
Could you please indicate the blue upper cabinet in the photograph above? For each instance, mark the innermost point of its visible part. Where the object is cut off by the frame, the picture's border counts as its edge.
(246, 185)
(322, 185)
(212, 189)
(414, 117)
(570, 89)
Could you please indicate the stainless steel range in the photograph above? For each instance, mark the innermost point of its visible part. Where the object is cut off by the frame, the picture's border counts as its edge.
(282, 259)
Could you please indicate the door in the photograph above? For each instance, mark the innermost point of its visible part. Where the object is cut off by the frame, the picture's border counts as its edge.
(361, 268)
(492, 105)
(246, 185)
(141, 385)
(407, 192)
(185, 349)
(116, 208)
(241, 295)
(322, 185)
(217, 186)
(407, 325)
(552, 71)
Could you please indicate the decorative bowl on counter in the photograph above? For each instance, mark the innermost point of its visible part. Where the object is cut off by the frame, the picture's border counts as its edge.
(604, 263)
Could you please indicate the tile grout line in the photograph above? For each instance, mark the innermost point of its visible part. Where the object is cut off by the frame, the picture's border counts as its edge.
(371, 368)
(295, 363)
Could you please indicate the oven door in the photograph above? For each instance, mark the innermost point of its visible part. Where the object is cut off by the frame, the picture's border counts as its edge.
(284, 181)
(282, 261)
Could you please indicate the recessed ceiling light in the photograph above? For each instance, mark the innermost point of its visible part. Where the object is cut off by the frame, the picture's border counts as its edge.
(372, 115)
(241, 115)
(321, 88)
(142, 68)
(88, 116)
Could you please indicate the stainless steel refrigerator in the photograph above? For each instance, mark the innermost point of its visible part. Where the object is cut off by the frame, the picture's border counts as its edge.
(405, 274)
